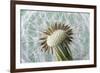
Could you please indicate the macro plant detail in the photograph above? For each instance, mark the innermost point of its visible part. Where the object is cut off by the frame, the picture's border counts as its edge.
(48, 31)
(57, 39)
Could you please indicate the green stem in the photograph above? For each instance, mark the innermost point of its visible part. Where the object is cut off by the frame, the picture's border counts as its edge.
(63, 53)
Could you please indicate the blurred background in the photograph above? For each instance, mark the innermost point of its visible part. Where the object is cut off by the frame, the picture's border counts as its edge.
(34, 22)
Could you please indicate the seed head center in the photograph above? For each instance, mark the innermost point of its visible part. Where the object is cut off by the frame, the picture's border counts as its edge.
(56, 38)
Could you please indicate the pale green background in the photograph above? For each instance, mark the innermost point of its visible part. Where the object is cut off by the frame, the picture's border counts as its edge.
(33, 22)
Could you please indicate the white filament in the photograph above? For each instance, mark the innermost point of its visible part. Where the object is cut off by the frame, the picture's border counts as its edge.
(56, 38)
